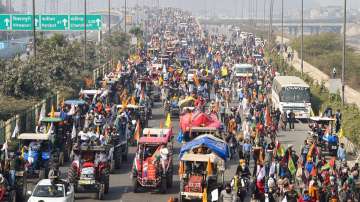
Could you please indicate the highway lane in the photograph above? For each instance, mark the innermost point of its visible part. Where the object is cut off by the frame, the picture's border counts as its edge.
(121, 184)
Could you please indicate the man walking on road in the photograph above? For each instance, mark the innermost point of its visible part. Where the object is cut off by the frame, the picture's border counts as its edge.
(291, 120)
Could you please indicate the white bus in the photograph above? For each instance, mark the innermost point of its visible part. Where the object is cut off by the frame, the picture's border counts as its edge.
(291, 93)
(243, 70)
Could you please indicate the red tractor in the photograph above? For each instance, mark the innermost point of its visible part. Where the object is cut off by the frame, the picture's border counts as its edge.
(153, 165)
(90, 170)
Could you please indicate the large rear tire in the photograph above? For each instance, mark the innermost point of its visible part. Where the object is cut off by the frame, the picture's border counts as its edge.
(169, 179)
(125, 153)
(163, 186)
(100, 194)
(118, 159)
(107, 185)
(135, 185)
(72, 175)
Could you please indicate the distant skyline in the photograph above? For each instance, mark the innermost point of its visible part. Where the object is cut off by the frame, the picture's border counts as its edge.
(229, 7)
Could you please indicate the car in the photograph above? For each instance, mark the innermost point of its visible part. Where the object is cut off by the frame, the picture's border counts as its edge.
(44, 191)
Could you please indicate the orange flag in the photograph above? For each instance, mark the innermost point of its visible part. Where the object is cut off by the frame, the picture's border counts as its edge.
(133, 101)
(209, 168)
(137, 131)
(267, 117)
(181, 168)
(161, 124)
(196, 80)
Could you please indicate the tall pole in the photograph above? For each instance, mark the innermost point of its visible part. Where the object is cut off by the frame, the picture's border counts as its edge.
(270, 23)
(344, 57)
(34, 30)
(302, 37)
(282, 34)
(85, 13)
(125, 17)
(109, 20)
(264, 16)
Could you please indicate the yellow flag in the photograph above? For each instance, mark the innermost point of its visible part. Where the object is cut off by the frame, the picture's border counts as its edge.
(204, 195)
(98, 130)
(341, 133)
(168, 121)
(209, 168)
(160, 81)
(311, 112)
(52, 113)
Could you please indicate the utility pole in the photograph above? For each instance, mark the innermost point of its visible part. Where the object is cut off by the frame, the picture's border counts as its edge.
(109, 27)
(282, 34)
(302, 37)
(264, 17)
(125, 17)
(34, 30)
(270, 23)
(85, 40)
(344, 57)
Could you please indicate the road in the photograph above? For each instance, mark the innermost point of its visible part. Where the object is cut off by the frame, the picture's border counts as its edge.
(121, 185)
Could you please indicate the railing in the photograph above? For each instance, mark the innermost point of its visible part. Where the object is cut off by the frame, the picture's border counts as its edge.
(102, 70)
(27, 119)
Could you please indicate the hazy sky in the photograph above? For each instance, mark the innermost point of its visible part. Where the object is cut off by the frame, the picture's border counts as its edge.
(214, 6)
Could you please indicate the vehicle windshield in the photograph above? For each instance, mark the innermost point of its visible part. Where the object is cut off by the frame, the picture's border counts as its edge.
(295, 94)
(244, 70)
(49, 191)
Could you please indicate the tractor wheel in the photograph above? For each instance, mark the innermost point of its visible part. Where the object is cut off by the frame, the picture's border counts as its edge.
(125, 153)
(118, 159)
(72, 175)
(135, 185)
(107, 185)
(13, 197)
(42, 174)
(100, 194)
(163, 185)
(169, 179)
(61, 159)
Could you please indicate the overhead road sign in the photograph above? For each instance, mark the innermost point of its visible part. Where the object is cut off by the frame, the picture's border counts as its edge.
(24, 22)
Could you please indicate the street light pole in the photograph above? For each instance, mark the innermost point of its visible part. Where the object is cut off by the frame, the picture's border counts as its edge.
(282, 34)
(109, 20)
(125, 17)
(302, 37)
(85, 13)
(34, 30)
(264, 17)
(344, 57)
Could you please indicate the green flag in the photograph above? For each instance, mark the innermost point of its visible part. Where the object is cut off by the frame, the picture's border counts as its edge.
(291, 166)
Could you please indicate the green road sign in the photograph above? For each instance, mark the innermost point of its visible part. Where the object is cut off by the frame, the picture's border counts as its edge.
(24, 22)
(54, 22)
(4, 22)
(93, 22)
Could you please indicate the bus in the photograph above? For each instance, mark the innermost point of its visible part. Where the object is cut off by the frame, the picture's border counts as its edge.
(291, 93)
(243, 70)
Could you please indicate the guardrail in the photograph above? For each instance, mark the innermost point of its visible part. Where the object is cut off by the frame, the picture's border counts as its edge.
(26, 120)
(102, 70)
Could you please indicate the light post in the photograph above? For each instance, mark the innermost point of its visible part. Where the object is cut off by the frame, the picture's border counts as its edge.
(302, 37)
(85, 13)
(125, 16)
(282, 34)
(34, 30)
(264, 16)
(344, 58)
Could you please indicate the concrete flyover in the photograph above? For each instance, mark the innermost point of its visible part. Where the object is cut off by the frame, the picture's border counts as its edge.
(292, 27)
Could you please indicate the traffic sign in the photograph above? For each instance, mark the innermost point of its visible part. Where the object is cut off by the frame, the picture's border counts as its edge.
(5, 22)
(93, 22)
(54, 22)
(24, 22)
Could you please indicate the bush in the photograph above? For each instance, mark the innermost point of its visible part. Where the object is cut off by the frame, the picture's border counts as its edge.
(324, 51)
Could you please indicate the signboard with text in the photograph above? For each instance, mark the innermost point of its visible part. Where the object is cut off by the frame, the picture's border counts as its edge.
(24, 22)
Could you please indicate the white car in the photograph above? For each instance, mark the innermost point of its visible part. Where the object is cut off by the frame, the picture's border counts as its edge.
(44, 191)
